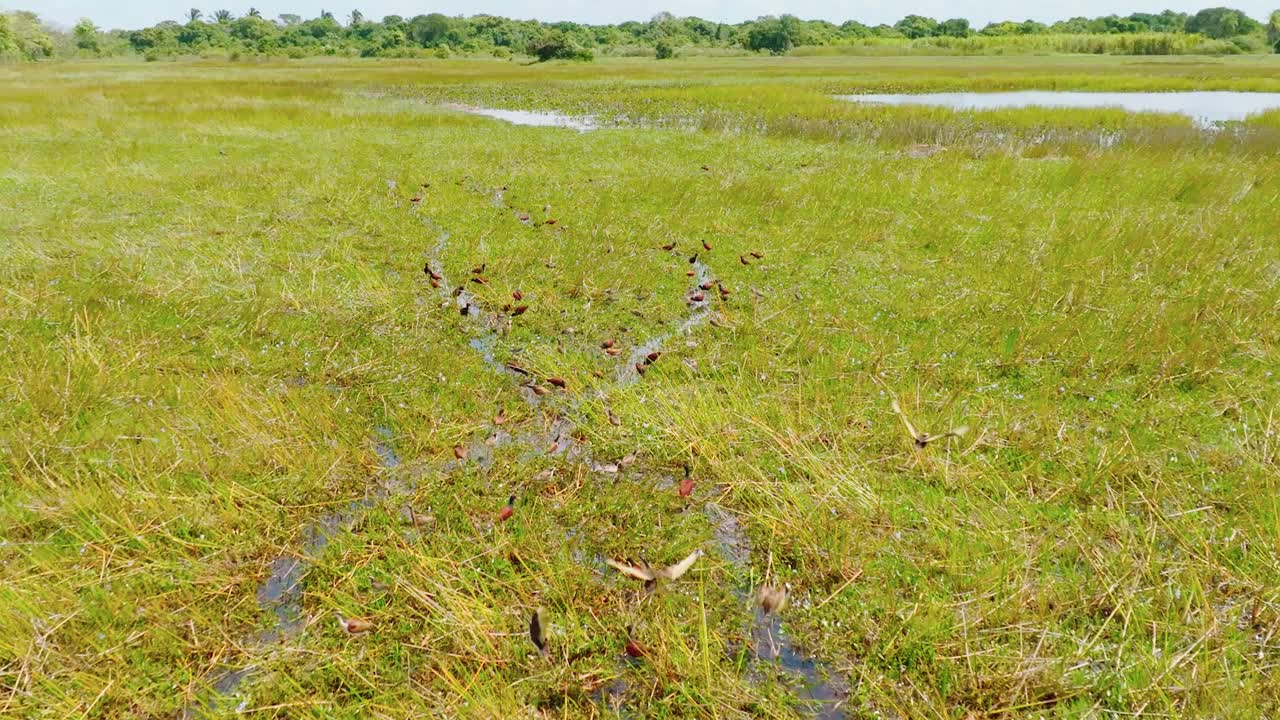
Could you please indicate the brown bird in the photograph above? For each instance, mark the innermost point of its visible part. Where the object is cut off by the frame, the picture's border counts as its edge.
(551, 221)
(706, 245)
(517, 295)
(417, 520)
(640, 368)
(651, 575)
(693, 258)
(415, 199)
(479, 280)
(743, 259)
(669, 246)
(516, 369)
(697, 297)
(479, 268)
(460, 452)
(501, 417)
(508, 510)
(614, 420)
(613, 352)
(773, 598)
(535, 632)
(519, 310)
(558, 382)
(633, 648)
(922, 440)
(686, 487)
(706, 168)
(431, 273)
(435, 283)
(354, 626)
(538, 390)
(724, 291)
(652, 357)
(690, 274)
(607, 344)
(707, 285)
(757, 255)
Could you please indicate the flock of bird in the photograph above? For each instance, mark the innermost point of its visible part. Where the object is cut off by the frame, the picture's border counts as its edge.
(770, 597)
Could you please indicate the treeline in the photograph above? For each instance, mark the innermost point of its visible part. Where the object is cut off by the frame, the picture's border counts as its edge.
(1216, 30)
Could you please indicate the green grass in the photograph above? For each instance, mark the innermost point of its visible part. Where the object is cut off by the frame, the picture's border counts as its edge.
(212, 300)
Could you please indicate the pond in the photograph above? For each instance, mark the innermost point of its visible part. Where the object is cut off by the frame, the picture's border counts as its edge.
(537, 118)
(1206, 108)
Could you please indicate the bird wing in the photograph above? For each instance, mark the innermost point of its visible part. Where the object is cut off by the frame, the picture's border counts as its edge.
(630, 570)
(675, 571)
(910, 428)
(535, 631)
(958, 431)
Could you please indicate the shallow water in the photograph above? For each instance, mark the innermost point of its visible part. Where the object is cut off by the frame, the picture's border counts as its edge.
(536, 118)
(1207, 108)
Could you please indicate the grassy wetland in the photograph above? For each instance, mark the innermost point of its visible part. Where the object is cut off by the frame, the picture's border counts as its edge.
(265, 365)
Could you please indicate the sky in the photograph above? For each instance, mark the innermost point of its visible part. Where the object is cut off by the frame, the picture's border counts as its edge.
(133, 14)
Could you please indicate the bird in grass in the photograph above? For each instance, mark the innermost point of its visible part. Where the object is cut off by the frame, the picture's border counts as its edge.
(922, 440)
(772, 598)
(354, 626)
(707, 285)
(652, 357)
(518, 310)
(614, 420)
(607, 344)
(460, 452)
(517, 295)
(757, 255)
(557, 381)
(613, 352)
(743, 259)
(417, 520)
(633, 648)
(479, 268)
(669, 246)
(706, 245)
(640, 368)
(535, 632)
(501, 417)
(508, 510)
(693, 258)
(650, 576)
(431, 273)
(538, 390)
(697, 297)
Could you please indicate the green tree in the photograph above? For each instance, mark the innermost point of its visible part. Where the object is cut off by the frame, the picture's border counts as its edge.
(194, 14)
(955, 27)
(253, 13)
(1221, 22)
(1273, 30)
(663, 50)
(557, 45)
(223, 16)
(355, 18)
(87, 36)
(776, 35)
(917, 26)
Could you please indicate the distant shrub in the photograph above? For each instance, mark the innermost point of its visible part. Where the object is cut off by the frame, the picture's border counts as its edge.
(663, 50)
(151, 55)
(295, 53)
(443, 52)
(234, 56)
(501, 52)
(557, 45)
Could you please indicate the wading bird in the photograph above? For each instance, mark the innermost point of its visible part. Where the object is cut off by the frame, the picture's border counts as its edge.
(535, 632)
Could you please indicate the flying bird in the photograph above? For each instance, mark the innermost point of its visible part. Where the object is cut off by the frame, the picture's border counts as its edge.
(922, 440)
(650, 576)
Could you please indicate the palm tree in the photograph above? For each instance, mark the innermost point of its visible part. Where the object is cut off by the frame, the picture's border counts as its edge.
(326, 15)
(253, 12)
(194, 14)
(222, 16)
(356, 18)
